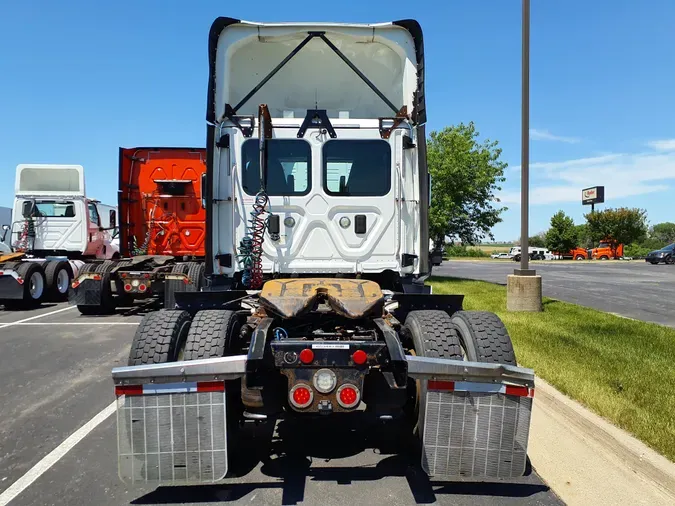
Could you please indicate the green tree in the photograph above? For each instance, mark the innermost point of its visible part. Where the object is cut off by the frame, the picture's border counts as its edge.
(664, 232)
(563, 235)
(584, 239)
(538, 241)
(465, 175)
(617, 226)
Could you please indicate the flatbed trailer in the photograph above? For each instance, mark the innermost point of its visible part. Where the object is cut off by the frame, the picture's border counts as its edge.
(161, 232)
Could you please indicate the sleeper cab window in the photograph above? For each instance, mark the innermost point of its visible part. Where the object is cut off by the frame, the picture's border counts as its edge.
(357, 168)
(289, 167)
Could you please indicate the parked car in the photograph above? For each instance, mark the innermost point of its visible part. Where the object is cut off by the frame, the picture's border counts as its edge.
(665, 255)
(500, 255)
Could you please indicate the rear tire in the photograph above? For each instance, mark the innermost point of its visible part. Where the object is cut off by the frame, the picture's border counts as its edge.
(59, 276)
(484, 337)
(215, 333)
(580, 257)
(159, 336)
(196, 275)
(431, 334)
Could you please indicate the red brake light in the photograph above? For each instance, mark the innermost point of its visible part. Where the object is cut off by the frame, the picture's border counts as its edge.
(142, 287)
(359, 357)
(146, 275)
(301, 396)
(348, 396)
(123, 275)
(306, 356)
(127, 287)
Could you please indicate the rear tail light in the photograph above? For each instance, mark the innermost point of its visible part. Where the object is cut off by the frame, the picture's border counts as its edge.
(142, 287)
(127, 287)
(186, 281)
(123, 275)
(301, 395)
(96, 277)
(348, 396)
(146, 276)
(359, 357)
(75, 284)
(306, 356)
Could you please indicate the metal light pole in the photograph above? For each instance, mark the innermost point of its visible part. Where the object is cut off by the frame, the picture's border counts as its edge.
(525, 148)
(523, 287)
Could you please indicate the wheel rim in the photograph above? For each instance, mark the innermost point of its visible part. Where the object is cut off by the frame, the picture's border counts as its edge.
(36, 286)
(62, 281)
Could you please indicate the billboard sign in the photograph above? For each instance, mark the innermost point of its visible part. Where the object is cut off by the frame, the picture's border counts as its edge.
(594, 195)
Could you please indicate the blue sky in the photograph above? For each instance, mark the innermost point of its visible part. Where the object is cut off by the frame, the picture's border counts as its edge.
(79, 80)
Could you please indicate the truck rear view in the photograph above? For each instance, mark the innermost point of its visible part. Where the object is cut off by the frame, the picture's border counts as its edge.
(162, 232)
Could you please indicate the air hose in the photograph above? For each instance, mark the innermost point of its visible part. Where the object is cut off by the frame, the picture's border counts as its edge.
(250, 247)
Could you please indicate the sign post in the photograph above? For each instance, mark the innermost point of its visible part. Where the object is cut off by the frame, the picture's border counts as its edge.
(593, 195)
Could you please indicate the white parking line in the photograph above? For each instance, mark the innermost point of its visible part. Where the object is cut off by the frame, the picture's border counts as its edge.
(76, 323)
(52, 458)
(2, 326)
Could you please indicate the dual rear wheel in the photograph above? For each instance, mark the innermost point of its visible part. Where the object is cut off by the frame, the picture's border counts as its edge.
(475, 336)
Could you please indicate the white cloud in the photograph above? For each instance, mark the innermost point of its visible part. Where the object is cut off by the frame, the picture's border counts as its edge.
(622, 175)
(545, 135)
(662, 145)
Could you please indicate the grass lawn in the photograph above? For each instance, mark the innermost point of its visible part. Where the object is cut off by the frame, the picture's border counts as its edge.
(624, 370)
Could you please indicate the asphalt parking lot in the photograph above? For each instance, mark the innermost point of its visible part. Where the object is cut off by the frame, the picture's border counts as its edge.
(632, 288)
(57, 395)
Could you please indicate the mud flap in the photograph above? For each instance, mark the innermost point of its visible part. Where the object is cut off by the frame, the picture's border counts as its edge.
(10, 289)
(172, 433)
(476, 430)
(87, 293)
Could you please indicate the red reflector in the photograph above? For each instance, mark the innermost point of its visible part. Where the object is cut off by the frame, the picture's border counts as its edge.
(519, 391)
(348, 396)
(2, 273)
(448, 386)
(96, 277)
(186, 281)
(142, 287)
(127, 287)
(75, 284)
(123, 275)
(302, 396)
(306, 356)
(211, 386)
(19, 280)
(146, 276)
(129, 390)
(359, 357)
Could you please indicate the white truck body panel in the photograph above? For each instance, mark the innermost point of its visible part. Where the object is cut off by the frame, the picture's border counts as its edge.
(49, 180)
(317, 78)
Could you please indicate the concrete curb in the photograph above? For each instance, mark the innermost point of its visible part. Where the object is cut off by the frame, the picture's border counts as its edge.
(630, 452)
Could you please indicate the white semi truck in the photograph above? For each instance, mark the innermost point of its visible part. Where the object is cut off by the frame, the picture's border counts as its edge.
(55, 228)
(316, 258)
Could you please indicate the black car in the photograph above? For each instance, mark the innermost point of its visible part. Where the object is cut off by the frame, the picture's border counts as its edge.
(665, 255)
